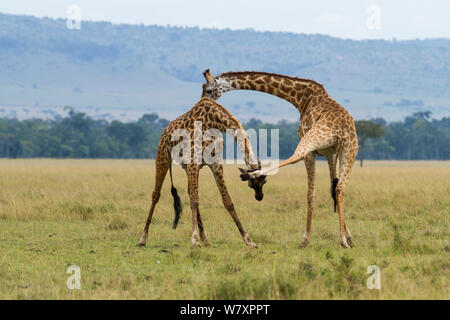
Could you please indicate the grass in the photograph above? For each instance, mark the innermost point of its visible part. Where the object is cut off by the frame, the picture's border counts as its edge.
(57, 213)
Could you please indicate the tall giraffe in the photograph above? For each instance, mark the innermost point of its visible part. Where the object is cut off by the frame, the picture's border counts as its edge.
(326, 129)
(209, 115)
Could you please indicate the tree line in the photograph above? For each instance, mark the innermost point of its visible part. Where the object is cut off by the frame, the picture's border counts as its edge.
(417, 137)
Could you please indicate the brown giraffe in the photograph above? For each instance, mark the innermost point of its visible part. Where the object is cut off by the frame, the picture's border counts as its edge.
(326, 129)
(210, 115)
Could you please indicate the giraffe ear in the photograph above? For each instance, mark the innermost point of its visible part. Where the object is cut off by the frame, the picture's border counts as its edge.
(208, 76)
(244, 175)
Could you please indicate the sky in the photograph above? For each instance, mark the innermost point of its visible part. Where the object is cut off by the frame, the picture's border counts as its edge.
(354, 19)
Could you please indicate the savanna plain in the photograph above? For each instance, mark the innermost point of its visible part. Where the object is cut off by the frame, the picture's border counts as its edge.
(90, 213)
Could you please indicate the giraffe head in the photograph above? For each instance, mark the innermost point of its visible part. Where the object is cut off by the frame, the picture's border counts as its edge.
(254, 183)
(214, 87)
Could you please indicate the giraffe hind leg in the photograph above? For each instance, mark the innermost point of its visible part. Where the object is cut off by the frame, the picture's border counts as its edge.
(332, 165)
(310, 163)
(193, 172)
(348, 235)
(314, 139)
(345, 167)
(162, 166)
(203, 236)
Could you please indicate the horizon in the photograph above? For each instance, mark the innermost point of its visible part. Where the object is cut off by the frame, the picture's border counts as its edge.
(230, 29)
(352, 20)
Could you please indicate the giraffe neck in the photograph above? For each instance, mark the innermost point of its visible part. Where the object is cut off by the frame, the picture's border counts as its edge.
(217, 117)
(241, 138)
(246, 149)
(300, 92)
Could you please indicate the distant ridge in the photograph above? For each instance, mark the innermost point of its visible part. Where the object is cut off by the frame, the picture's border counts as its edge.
(159, 68)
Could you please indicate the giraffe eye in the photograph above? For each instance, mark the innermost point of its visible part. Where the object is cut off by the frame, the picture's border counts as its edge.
(208, 90)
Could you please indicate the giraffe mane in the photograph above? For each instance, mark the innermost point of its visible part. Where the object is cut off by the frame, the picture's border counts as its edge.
(238, 73)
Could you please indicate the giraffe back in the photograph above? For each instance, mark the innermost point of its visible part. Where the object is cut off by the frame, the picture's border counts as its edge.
(209, 113)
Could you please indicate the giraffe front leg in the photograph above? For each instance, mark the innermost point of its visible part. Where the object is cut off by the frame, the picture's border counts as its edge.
(202, 230)
(228, 203)
(195, 232)
(230, 207)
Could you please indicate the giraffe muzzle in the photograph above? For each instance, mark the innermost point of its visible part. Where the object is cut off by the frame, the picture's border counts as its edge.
(259, 196)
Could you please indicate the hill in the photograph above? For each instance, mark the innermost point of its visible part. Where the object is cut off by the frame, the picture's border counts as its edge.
(121, 71)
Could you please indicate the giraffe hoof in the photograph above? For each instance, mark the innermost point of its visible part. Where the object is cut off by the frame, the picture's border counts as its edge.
(196, 245)
(252, 245)
(350, 242)
(248, 241)
(206, 244)
(344, 244)
(304, 244)
(140, 244)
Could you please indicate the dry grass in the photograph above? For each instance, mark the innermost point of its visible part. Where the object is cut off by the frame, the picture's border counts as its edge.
(55, 213)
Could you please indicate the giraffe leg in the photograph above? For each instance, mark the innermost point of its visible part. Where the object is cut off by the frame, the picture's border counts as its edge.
(332, 165)
(315, 139)
(202, 230)
(228, 203)
(347, 158)
(310, 163)
(162, 165)
(193, 172)
(348, 234)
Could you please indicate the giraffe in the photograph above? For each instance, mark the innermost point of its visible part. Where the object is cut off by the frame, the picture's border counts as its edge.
(206, 114)
(326, 129)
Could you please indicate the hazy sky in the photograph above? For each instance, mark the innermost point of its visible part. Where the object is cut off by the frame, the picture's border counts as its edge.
(356, 19)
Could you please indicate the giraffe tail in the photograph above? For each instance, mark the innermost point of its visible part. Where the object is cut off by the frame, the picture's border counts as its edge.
(176, 201)
(335, 180)
(333, 194)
